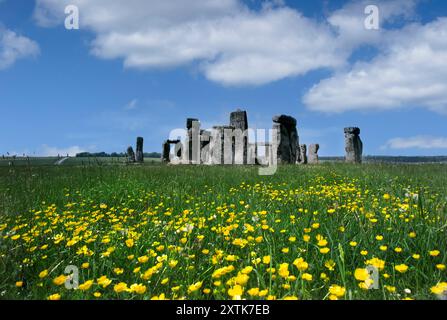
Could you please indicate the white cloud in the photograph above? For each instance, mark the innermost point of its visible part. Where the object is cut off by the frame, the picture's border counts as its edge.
(232, 44)
(417, 142)
(14, 47)
(349, 20)
(47, 151)
(132, 105)
(409, 72)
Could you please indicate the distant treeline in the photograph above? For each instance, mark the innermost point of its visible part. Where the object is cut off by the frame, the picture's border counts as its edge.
(401, 159)
(113, 155)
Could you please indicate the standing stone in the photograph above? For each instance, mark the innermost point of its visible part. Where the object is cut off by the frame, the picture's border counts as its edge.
(139, 154)
(193, 140)
(313, 153)
(166, 149)
(221, 145)
(178, 149)
(130, 155)
(238, 120)
(287, 138)
(205, 138)
(303, 154)
(353, 145)
(252, 153)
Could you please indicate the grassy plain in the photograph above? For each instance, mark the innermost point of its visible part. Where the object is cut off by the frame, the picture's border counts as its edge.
(198, 232)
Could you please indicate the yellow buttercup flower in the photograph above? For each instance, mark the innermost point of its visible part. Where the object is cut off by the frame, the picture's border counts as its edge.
(43, 274)
(300, 264)
(253, 292)
(376, 262)
(86, 285)
(337, 291)
(440, 288)
(236, 292)
(130, 243)
(402, 268)
(118, 271)
(104, 281)
(138, 288)
(306, 276)
(361, 274)
(55, 296)
(60, 280)
(434, 253)
(195, 286)
(283, 270)
(120, 287)
(266, 260)
(390, 288)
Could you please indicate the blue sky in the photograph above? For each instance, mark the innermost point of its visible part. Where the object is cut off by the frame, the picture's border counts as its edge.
(140, 68)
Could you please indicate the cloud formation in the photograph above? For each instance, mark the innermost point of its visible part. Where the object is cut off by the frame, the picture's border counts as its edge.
(410, 71)
(232, 44)
(417, 142)
(14, 47)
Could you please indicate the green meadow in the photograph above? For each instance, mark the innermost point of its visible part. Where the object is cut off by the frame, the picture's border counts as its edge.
(329, 231)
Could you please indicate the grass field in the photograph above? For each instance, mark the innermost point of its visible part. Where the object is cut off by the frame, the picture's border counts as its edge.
(154, 232)
(72, 161)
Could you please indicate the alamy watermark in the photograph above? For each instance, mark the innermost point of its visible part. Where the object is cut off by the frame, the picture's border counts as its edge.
(372, 20)
(72, 17)
(72, 281)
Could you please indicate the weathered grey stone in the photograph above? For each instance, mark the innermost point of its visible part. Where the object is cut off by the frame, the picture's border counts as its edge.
(221, 145)
(205, 138)
(252, 153)
(130, 155)
(303, 154)
(193, 141)
(189, 122)
(139, 152)
(284, 119)
(313, 153)
(353, 145)
(238, 120)
(287, 138)
(166, 150)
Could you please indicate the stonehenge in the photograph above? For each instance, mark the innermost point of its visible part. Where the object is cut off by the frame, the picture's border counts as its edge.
(223, 144)
(229, 144)
(353, 145)
(312, 158)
